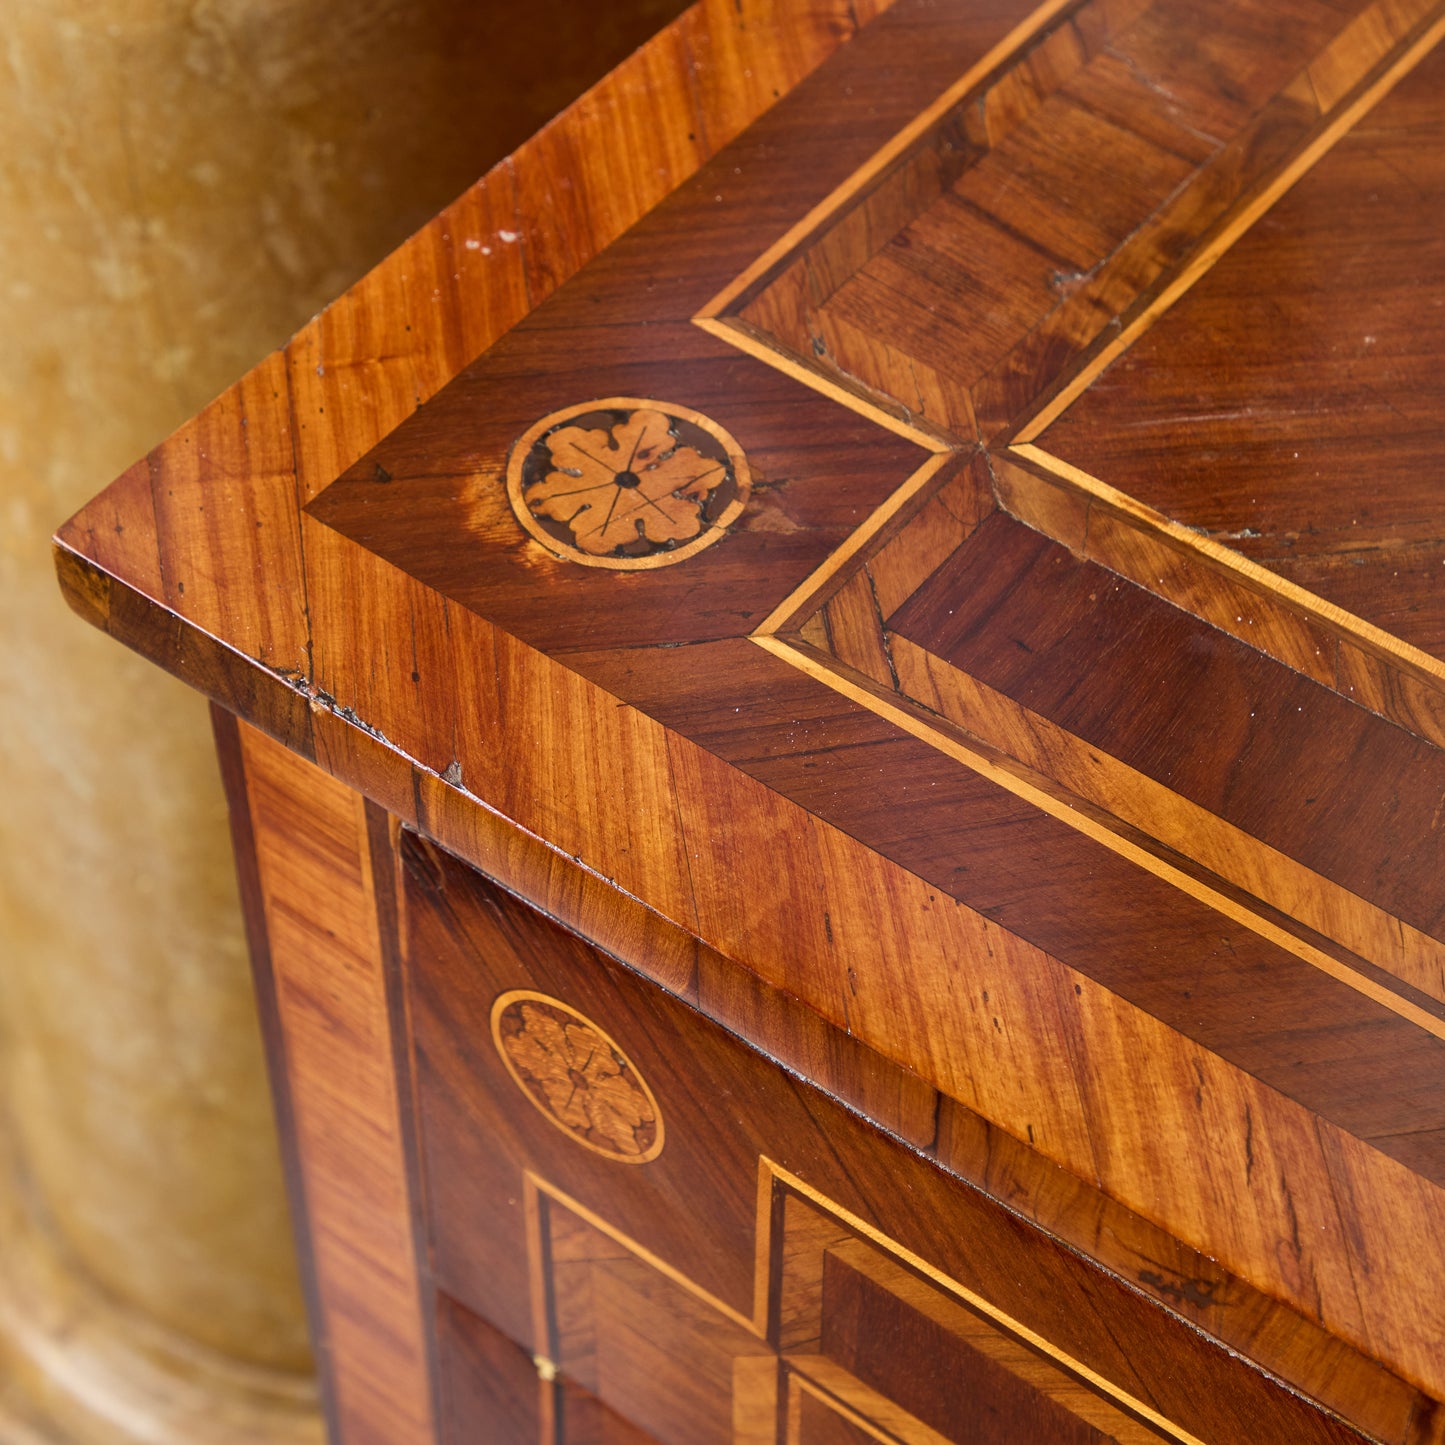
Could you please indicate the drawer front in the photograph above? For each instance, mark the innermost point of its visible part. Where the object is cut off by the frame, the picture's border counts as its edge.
(702, 1248)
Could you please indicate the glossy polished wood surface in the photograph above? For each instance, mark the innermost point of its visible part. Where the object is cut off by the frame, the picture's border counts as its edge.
(1009, 696)
(1310, 353)
(322, 986)
(773, 1228)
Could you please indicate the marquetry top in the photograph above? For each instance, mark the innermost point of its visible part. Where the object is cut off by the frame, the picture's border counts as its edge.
(961, 543)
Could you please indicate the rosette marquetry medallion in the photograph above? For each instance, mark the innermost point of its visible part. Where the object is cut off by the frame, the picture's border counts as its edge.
(577, 1076)
(627, 483)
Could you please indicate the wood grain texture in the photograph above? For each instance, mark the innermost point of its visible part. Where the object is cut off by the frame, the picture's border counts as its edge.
(488, 1383)
(972, 837)
(936, 777)
(1080, 612)
(1023, 1066)
(313, 837)
(1328, 298)
(231, 757)
(225, 486)
(652, 1287)
(879, 1322)
(1228, 852)
(995, 253)
(370, 359)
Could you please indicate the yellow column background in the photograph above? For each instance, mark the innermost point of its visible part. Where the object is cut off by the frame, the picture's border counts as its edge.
(182, 183)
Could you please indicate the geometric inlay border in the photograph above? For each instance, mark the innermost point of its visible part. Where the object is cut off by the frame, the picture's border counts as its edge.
(778, 633)
(1140, 1421)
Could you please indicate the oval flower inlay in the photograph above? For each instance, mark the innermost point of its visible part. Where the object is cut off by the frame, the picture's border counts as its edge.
(577, 1076)
(626, 483)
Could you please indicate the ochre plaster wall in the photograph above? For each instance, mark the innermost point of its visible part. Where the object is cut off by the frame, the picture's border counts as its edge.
(181, 185)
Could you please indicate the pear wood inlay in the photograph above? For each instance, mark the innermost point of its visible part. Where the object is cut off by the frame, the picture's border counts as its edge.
(626, 483)
(577, 1076)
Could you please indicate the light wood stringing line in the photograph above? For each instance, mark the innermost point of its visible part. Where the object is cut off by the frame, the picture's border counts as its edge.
(1177, 822)
(1205, 258)
(1014, 41)
(1337, 619)
(755, 1326)
(745, 341)
(770, 1176)
(978, 1303)
(904, 718)
(788, 609)
(800, 1383)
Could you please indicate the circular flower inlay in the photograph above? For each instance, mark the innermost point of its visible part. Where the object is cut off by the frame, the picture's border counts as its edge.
(626, 483)
(577, 1076)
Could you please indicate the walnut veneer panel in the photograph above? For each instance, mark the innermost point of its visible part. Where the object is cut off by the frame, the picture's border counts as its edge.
(1309, 355)
(699, 1239)
(322, 978)
(764, 602)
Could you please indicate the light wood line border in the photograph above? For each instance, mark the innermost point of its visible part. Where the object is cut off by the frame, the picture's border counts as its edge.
(757, 1325)
(1241, 221)
(904, 718)
(735, 334)
(1014, 41)
(1255, 576)
(800, 598)
(801, 1383)
(976, 1302)
(772, 1176)
(1195, 832)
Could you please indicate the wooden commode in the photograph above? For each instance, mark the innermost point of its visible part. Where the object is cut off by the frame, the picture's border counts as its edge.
(832, 689)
